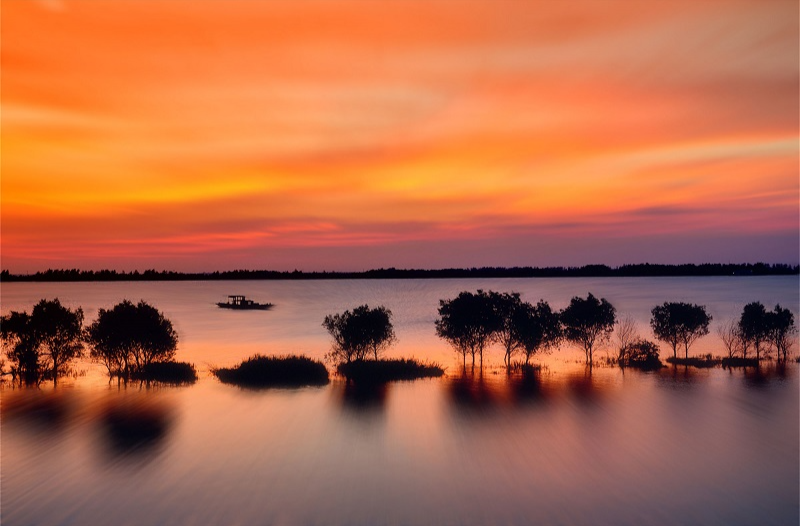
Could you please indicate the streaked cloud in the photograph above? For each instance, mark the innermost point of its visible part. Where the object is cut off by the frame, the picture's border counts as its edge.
(148, 131)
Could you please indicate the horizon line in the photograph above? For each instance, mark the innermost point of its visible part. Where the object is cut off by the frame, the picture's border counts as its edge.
(592, 270)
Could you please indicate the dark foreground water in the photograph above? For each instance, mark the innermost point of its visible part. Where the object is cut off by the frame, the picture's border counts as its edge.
(572, 446)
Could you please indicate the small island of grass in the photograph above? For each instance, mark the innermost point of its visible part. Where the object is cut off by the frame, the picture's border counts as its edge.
(274, 371)
(380, 371)
(737, 361)
(702, 362)
(169, 372)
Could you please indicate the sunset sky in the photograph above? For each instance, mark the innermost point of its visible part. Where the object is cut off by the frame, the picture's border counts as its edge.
(326, 135)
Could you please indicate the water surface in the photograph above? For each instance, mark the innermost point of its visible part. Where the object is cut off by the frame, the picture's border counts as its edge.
(571, 446)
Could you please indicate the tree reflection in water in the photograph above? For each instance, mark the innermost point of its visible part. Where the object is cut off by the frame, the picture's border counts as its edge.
(134, 428)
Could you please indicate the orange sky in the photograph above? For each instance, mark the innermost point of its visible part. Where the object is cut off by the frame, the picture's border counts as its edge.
(325, 135)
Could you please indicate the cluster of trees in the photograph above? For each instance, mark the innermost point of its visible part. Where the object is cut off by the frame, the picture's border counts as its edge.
(472, 322)
(128, 339)
(761, 330)
(679, 323)
(40, 345)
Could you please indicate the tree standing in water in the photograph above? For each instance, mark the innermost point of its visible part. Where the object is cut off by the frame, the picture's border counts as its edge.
(781, 331)
(538, 328)
(508, 307)
(128, 338)
(44, 342)
(754, 326)
(469, 322)
(588, 322)
(359, 333)
(679, 323)
(59, 332)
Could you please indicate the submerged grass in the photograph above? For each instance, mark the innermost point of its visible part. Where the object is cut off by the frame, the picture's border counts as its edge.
(696, 361)
(274, 371)
(739, 362)
(380, 371)
(167, 372)
(645, 364)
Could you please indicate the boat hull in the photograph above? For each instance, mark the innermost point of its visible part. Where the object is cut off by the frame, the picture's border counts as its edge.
(255, 306)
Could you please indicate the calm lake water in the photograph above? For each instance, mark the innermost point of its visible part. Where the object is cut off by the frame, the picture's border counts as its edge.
(680, 446)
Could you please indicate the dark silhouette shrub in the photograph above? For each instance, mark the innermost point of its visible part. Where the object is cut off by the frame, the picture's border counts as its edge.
(167, 372)
(641, 354)
(380, 371)
(701, 362)
(736, 361)
(274, 371)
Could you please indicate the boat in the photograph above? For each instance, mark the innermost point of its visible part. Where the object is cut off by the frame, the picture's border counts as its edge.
(242, 303)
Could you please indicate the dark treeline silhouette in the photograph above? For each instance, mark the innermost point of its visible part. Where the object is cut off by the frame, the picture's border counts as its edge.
(632, 270)
(472, 322)
(136, 341)
(132, 341)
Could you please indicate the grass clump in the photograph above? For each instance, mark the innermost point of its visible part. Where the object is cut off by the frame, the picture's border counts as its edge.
(169, 372)
(736, 361)
(380, 371)
(274, 371)
(702, 362)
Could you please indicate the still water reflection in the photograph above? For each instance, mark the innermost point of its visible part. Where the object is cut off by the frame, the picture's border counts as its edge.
(565, 446)
(579, 447)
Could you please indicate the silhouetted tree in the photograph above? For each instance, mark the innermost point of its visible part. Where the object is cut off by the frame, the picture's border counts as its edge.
(359, 333)
(732, 339)
(128, 338)
(44, 341)
(59, 332)
(679, 323)
(754, 326)
(469, 322)
(508, 305)
(587, 322)
(538, 328)
(626, 332)
(21, 347)
(781, 329)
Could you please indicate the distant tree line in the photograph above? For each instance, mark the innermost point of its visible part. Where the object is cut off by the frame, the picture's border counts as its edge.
(636, 270)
